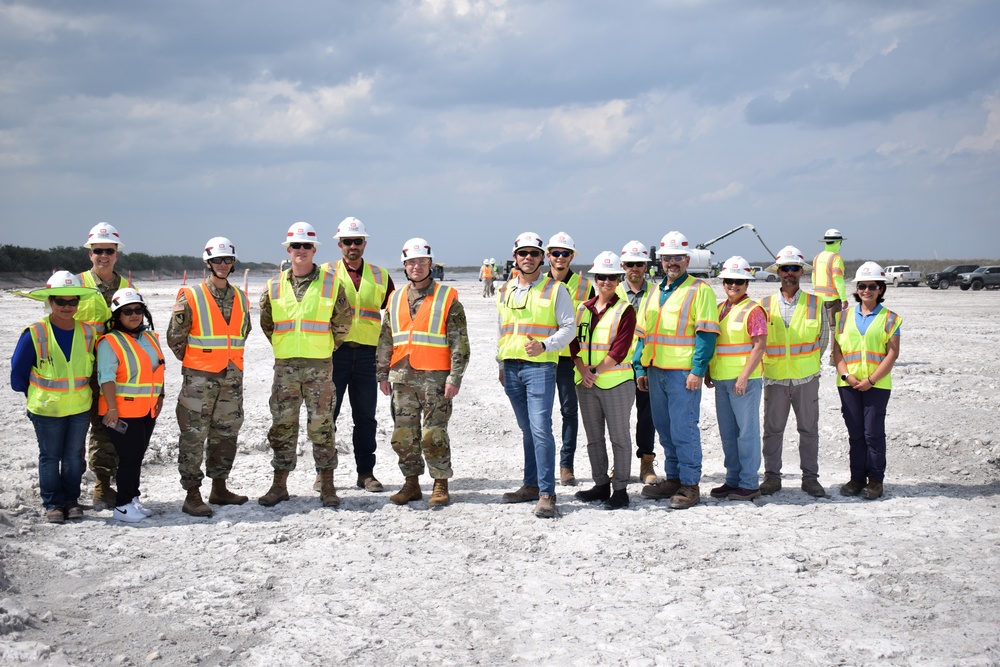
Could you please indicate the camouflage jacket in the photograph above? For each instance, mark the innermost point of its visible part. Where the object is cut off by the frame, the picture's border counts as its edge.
(180, 326)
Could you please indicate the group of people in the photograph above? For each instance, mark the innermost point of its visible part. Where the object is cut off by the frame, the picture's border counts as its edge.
(603, 342)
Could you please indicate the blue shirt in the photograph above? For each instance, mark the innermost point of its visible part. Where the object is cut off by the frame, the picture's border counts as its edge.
(863, 321)
(24, 356)
(107, 360)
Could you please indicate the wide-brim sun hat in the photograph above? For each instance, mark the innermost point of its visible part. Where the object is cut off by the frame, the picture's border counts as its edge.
(787, 256)
(62, 283)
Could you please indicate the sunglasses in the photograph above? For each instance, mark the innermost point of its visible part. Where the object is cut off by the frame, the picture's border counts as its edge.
(528, 253)
(672, 258)
(224, 260)
(606, 278)
(734, 281)
(874, 287)
(561, 253)
(301, 246)
(632, 265)
(790, 268)
(66, 302)
(352, 241)
(104, 251)
(128, 312)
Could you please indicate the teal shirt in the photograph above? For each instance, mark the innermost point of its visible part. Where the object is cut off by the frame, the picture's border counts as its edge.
(704, 341)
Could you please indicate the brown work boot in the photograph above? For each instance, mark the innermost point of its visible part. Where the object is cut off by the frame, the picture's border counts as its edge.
(686, 496)
(813, 487)
(546, 507)
(220, 495)
(525, 494)
(872, 490)
(770, 485)
(566, 477)
(327, 491)
(852, 488)
(278, 490)
(194, 505)
(665, 488)
(411, 490)
(369, 483)
(105, 497)
(646, 473)
(439, 494)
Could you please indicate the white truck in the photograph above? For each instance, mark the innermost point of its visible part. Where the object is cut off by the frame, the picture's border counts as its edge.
(900, 274)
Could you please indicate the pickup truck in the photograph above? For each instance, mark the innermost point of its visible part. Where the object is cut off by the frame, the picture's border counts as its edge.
(900, 274)
(948, 276)
(984, 276)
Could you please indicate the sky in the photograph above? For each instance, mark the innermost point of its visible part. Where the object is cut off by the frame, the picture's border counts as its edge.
(467, 122)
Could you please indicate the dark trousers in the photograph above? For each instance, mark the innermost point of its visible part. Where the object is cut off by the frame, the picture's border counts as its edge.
(131, 449)
(569, 409)
(354, 374)
(864, 415)
(644, 431)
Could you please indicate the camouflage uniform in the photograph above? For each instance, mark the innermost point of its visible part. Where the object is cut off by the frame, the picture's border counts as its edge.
(102, 457)
(310, 380)
(210, 405)
(416, 393)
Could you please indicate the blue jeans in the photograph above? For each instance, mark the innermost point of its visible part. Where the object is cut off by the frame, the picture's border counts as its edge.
(531, 388)
(739, 428)
(60, 457)
(569, 409)
(354, 374)
(676, 411)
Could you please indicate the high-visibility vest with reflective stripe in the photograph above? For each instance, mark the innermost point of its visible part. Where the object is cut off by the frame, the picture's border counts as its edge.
(792, 352)
(579, 291)
(863, 353)
(827, 267)
(137, 385)
(486, 273)
(536, 318)
(424, 338)
(669, 330)
(595, 344)
(732, 348)
(212, 342)
(93, 309)
(366, 302)
(302, 328)
(60, 387)
(643, 303)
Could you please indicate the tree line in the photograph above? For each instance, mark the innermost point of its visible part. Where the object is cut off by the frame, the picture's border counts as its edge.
(16, 259)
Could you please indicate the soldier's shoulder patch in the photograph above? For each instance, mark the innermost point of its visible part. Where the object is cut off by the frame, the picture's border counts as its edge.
(178, 307)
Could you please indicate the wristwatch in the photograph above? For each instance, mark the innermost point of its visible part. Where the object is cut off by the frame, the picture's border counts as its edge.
(843, 376)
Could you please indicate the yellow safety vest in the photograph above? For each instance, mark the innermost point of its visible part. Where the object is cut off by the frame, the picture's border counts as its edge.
(93, 309)
(828, 267)
(732, 348)
(366, 302)
(669, 330)
(596, 343)
(536, 317)
(792, 352)
(424, 338)
(212, 343)
(863, 354)
(60, 387)
(579, 291)
(302, 328)
(622, 293)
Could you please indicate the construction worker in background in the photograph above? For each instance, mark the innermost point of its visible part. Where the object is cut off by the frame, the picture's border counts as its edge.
(423, 351)
(796, 339)
(496, 271)
(207, 332)
(828, 278)
(486, 277)
(305, 315)
(679, 327)
(536, 321)
(560, 250)
(104, 245)
(638, 290)
(368, 288)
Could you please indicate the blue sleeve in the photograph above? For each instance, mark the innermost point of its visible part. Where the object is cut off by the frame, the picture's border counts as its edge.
(107, 363)
(704, 350)
(22, 362)
(637, 358)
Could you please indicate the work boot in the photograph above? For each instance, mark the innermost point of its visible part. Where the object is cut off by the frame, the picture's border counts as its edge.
(598, 492)
(104, 496)
(278, 490)
(523, 495)
(646, 473)
(686, 496)
(318, 483)
(546, 507)
(411, 490)
(566, 477)
(617, 501)
(369, 483)
(194, 505)
(439, 495)
(872, 490)
(770, 486)
(220, 495)
(327, 492)
(665, 488)
(813, 487)
(852, 488)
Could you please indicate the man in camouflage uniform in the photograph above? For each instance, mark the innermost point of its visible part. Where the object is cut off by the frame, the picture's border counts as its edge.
(305, 315)
(423, 350)
(210, 405)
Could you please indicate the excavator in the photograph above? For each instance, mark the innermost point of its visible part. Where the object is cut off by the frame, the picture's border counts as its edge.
(701, 258)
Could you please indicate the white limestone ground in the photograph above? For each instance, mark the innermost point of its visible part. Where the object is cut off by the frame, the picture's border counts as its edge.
(785, 580)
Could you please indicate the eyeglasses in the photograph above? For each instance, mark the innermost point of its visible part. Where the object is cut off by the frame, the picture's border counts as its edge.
(128, 312)
(672, 258)
(606, 278)
(874, 287)
(74, 302)
(632, 265)
(734, 281)
(352, 241)
(417, 261)
(300, 246)
(227, 260)
(528, 253)
(561, 253)
(104, 251)
(790, 268)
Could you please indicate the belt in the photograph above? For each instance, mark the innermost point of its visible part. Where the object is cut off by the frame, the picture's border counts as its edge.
(355, 344)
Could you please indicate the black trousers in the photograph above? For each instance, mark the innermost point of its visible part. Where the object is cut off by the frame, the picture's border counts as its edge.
(131, 448)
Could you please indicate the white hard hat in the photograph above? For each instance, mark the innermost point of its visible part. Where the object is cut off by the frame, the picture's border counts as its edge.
(218, 246)
(125, 296)
(301, 232)
(737, 268)
(528, 240)
(561, 240)
(789, 255)
(607, 262)
(62, 283)
(415, 247)
(869, 271)
(485, 262)
(674, 243)
(492, 261)
(351, 228)
(832, 235)
(102, 232)
(635, 251)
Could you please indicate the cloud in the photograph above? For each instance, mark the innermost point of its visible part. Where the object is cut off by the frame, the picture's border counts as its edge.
(729, 192)
(989, 140)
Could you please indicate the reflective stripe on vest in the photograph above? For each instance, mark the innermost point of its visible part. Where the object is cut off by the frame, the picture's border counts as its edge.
(579, 290)
(137, 385)
(212, 342)
(93, 309)
(792, 352)
(863, 353)
(733, 347)
(639, 312)
(535, 317)
(595, 345)
(826, 266)
(366, 301)
(302, 328)
(670, 328)
(60, 387)
(424, 338)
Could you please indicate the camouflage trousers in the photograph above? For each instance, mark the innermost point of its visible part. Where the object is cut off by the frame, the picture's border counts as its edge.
(297, 381)
(102, 457)
(410, 439)
(209, 414)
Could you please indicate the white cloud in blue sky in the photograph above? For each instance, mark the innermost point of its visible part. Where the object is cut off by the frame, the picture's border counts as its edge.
(469, 121)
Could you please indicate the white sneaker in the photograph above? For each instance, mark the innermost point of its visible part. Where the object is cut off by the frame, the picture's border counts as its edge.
(128, 513)
(145, 511)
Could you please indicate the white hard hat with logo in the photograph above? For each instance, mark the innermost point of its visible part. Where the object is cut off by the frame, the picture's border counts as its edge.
(788, 256)
(102, 232)
(635, 251)
(62, 283)
(607, 263)
(125, 296)
(218, 246)
(674, 243)
(492, 261)
(736, 268)
(301, 232)
(869, 271)
(351, 228)
(528, 240)
(415, 247)
(486, 262)
(561, 240)
(832, 235)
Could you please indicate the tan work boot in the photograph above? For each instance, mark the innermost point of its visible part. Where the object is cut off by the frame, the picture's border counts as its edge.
(410, 491)
(546, 507)
(104, 496)
(439, 495)
(318, 483)
(686, 496)
(566, 477)
(278, 490)
(194, 505)
(646, 473)
(523, 495)
(327, 491)
(220, 495)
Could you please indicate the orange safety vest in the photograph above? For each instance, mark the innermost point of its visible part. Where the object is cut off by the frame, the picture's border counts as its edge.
(137, 385)
(424, 338)
(212, 342)
(486, 273)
